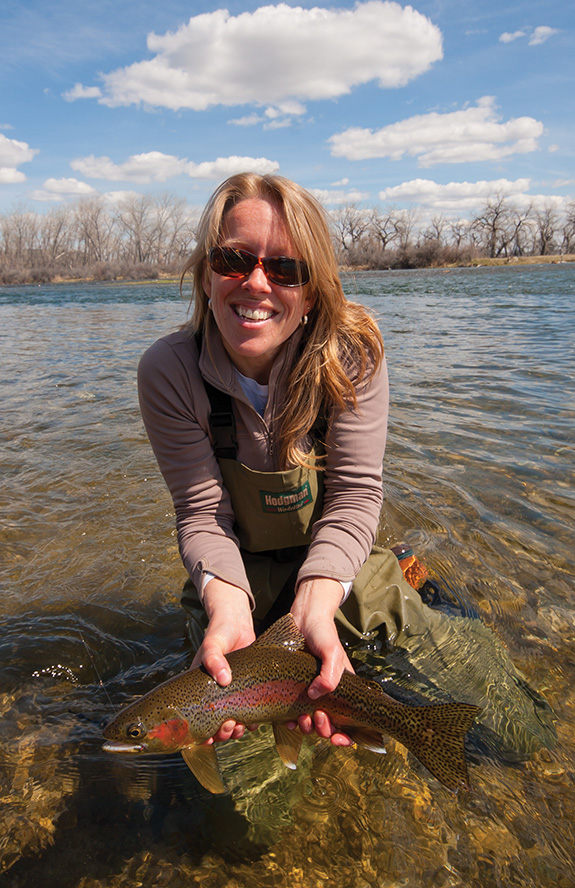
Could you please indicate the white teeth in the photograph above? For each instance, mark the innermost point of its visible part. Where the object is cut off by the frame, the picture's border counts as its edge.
(252, 314)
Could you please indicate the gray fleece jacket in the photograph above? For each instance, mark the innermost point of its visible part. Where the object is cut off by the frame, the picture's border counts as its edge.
(175, 409)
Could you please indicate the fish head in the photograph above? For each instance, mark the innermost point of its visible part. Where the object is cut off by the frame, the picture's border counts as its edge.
(145, 729)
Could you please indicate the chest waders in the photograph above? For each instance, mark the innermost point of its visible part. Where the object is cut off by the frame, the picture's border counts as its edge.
(432, 654)
(274, 516)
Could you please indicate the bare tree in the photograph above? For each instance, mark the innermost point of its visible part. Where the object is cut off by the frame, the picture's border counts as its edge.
(94, 231)
(20, 238)
(350, 223)
(383, 226)
(435, 230)
(568, 245)
(405, 225)
(546, 225)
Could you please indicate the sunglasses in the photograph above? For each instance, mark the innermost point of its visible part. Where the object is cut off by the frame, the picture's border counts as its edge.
(281, 270)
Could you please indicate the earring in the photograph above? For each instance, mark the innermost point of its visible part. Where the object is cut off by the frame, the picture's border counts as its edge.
(209, 303)
(304, 320)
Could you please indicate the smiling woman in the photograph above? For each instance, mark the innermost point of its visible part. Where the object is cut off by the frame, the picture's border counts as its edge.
(254, 314)
(267, 414)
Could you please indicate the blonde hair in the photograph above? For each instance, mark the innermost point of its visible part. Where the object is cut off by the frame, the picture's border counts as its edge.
(341, 343)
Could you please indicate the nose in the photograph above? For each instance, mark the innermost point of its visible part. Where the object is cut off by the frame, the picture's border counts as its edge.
(256, 281)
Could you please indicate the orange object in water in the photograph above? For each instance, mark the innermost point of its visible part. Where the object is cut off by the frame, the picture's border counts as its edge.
(414, 571)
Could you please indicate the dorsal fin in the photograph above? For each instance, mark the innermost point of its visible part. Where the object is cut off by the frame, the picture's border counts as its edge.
(283, 633)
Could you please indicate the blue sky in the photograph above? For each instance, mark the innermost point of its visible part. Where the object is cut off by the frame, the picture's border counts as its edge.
(435, 106)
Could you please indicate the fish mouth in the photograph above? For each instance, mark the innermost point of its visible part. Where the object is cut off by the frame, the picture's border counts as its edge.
(115, 746)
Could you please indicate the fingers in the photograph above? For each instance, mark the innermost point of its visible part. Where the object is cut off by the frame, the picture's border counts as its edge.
(332, 667)
(321, 723)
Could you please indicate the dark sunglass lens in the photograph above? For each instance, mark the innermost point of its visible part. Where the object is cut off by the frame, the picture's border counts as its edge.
(231, 263)
(287, 272)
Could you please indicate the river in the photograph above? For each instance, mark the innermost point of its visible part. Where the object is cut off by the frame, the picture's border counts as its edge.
(479, 479)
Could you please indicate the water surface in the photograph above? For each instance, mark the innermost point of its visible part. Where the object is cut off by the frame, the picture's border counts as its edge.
(479, 478)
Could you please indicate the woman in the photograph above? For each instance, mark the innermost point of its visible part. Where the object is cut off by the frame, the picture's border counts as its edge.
(267, 413)
(294, 504)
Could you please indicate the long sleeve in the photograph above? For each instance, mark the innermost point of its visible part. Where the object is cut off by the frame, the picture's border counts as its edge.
(343, 536)
(175, 412)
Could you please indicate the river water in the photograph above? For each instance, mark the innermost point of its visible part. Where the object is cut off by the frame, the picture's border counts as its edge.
(479, 479)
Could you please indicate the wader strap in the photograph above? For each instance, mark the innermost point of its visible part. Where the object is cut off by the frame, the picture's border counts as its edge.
(222, 420)
(222, 423)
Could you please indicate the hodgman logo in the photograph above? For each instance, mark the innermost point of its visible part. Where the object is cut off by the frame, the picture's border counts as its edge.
(288, 501)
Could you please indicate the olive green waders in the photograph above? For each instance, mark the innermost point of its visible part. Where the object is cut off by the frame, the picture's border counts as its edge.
(432, 653)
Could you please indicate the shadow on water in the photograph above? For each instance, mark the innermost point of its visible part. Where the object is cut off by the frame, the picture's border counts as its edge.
(479, 481)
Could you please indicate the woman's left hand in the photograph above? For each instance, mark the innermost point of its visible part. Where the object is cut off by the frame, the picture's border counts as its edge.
(313, 610)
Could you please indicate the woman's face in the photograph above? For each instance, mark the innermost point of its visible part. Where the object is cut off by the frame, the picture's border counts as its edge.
(255, 317)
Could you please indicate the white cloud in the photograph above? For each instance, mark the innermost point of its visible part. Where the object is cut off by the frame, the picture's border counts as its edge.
(541, 34)
(538, 35)
(474, 134)
(247, 120)
(509, 38)
(454, 195)
(61, 189)
(276, 54)
(79, 91)
(12, 154)
(154, 166)
(227, 166)
(331, 198)
(11, 176)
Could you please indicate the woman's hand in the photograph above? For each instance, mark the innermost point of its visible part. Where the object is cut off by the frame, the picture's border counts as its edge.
(313, 610)
(230, 628)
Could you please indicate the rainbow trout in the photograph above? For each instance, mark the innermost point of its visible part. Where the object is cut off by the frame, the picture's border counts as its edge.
(269, 684)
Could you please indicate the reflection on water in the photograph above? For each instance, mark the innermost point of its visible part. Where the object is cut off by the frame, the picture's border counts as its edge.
(479, 480)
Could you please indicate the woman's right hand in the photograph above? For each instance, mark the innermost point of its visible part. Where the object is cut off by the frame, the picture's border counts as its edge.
(230, 628)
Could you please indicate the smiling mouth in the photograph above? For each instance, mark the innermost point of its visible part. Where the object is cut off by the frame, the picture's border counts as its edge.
(253, 314)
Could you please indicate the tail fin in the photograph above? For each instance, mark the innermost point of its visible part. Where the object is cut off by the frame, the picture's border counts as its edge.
(435, 735)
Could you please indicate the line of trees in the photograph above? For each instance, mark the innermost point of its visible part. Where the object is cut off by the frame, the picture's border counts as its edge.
(391, 238)
(144, 236)
(139, 238)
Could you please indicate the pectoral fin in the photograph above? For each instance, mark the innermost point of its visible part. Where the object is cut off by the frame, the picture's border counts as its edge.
(367, 738)
(288, 744)
(203, 763)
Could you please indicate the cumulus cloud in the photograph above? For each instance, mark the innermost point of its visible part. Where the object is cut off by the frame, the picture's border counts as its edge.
(275, 54)
(510, 37)
(12, 154)
(62, 189)
(227, 166)
(471, 135)
(541, 34)
(453, 195)
(336, 197)
(154, 166)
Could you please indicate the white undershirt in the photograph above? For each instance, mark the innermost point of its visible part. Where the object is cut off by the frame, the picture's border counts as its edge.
(257, 394)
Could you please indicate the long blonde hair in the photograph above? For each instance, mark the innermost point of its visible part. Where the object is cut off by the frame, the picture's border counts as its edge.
(341, 343)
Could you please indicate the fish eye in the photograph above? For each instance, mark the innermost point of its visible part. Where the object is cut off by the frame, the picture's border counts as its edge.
(135, 731)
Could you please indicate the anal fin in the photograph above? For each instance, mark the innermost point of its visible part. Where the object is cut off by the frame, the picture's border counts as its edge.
(366, 737)
(288, 744)
(202, 761)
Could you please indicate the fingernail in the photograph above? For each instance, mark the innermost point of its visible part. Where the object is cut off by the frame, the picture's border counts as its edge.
(223, 677)
(313, 693)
